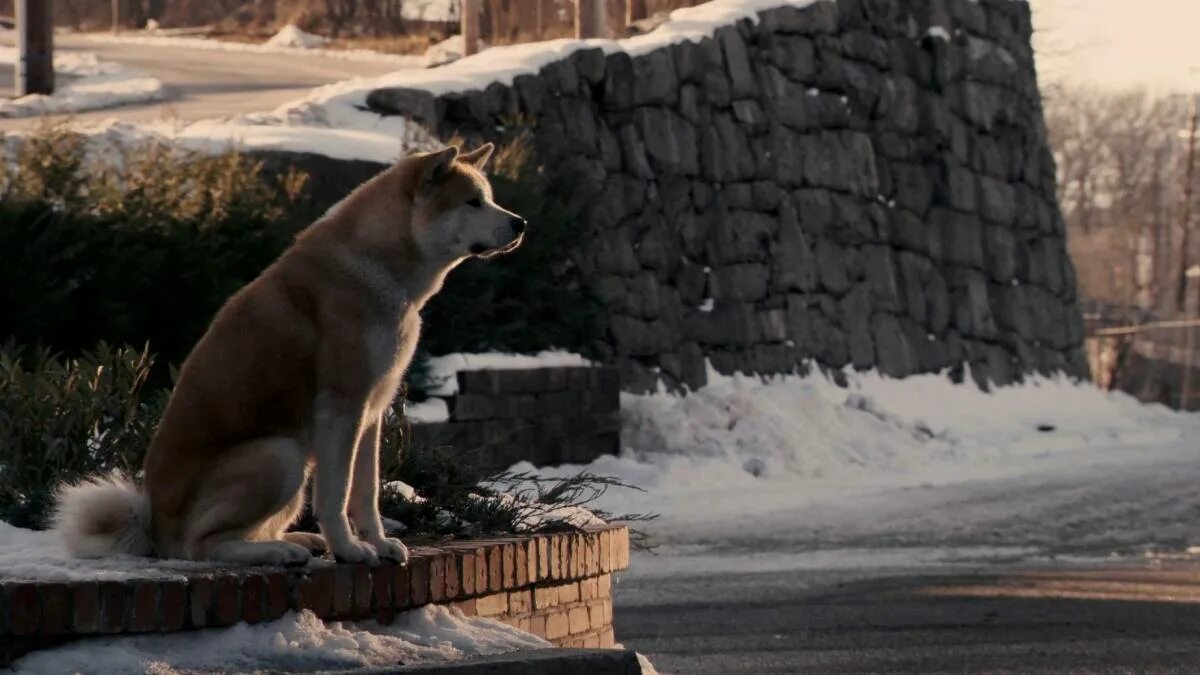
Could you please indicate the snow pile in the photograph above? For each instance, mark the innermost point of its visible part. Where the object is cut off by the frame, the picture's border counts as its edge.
(83, 82)
(430, 10)
(797, 465)
(444, 369)
(26, 554)
(291, 36)
(447, 51)
(296, 643)
(158, 39)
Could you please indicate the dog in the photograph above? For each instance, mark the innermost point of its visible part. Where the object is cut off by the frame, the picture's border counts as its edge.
(293, 377)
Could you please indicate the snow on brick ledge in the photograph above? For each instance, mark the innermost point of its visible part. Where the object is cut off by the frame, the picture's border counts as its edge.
(556, 586)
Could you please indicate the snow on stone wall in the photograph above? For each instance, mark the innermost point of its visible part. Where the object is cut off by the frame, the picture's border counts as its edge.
(860, 182)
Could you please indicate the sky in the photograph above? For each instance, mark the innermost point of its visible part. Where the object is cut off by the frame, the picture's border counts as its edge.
(1119, 43)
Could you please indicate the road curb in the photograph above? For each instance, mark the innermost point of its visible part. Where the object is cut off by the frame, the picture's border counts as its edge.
(528, 662)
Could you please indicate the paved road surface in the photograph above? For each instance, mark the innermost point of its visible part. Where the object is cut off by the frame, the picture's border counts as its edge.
(202, 83)
(1083, 620)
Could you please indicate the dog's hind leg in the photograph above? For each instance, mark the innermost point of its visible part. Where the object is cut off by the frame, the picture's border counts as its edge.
(245, 504)
(309, 540)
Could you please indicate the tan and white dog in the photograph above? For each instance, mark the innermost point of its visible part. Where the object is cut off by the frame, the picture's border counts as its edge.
(293, 377)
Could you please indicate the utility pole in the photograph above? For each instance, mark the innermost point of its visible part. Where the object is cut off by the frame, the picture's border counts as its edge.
(471, 10)
(35, 47)
(116, 16)
(591, 19)
(1185, 247)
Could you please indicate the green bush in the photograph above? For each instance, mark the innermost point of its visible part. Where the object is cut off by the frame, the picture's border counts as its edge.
(144, 248)
(63, 419)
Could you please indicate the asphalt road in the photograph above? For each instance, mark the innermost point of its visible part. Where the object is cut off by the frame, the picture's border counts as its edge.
(1089, 619)
(206, 83)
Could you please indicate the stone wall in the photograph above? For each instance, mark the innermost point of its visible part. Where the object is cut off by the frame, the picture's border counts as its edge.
(547, 416)
(556, 586)
(859, 182)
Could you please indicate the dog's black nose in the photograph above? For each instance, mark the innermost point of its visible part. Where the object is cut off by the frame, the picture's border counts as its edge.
(518, 224)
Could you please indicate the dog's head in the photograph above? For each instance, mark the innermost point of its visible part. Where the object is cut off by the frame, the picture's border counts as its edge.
(454, 215)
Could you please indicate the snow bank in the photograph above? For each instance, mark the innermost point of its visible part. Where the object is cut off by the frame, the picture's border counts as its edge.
(444, 369)
(83, 83)
(291, 36)
(305, 45)
(296, 643)
(798, 465)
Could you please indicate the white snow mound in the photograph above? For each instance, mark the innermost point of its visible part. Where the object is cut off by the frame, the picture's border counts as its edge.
(292, 36)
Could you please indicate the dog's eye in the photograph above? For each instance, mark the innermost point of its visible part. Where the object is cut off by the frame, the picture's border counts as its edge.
(475, 202)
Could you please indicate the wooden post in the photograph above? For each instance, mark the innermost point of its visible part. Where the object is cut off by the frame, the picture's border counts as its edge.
(35, 47)
(540, 23)
(590, 19)
(471, 11)
(116, 16)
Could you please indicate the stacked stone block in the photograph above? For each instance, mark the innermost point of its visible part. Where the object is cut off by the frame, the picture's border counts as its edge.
(859, 182)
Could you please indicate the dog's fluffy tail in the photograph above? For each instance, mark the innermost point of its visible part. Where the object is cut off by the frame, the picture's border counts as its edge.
(103, 516)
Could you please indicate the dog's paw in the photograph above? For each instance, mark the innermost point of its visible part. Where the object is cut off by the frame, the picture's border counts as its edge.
(391, 549)
(284, 554)
(309, 540)
(355, 552)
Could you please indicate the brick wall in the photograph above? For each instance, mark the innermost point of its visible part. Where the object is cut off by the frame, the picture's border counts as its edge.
(557, 586)
(547, 416)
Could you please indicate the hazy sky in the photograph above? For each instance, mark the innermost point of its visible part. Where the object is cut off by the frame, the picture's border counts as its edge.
(1119, 42)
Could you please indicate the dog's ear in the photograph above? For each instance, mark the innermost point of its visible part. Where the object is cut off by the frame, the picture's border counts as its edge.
(437, 166)
(479, 156)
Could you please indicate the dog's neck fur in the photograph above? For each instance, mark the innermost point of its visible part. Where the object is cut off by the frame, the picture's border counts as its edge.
(383, 255)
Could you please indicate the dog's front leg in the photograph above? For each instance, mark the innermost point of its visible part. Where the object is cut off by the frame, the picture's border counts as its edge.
(338, 428)
(364, 497)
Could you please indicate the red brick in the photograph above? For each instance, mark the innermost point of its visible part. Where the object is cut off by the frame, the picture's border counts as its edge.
(453, 575)
(481, 571)
(362, 591)
(56, 608)
(554, 547)
(418, 575)
(381, 585)
(604, 586)
(401, 592)
(466, 570)
(227, 607)
(593, 555)
(568, 593)
(495, 568)
(591, 641)
(596, 615)
(523, 623)
(521, 563)
(537, 626)
(315, 592)
(86, 616)
(508, 554)
(576, 555)
(579, 620)
(620, 549)
(589, 589)
(113, 604)
(607, 639)
(143, 610)
(557, 626)
(520, 602)
(467, 607)
(24, 608)
(546, 596)
(172, 606)
(279, 596)
(254, 598)
(491, 605)
(343, 590)
(200, 601)
(544, 546)
(605, 543)
(437, 578)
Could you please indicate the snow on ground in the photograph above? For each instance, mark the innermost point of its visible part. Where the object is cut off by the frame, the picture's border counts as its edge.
(792, 472)
(292, 36)
(444, 369)
(293, 41)
(299, 642)
(83, 83)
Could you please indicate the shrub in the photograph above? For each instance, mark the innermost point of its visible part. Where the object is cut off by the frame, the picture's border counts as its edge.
(145, 247)
(63, 419)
